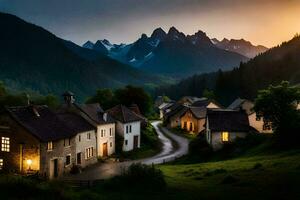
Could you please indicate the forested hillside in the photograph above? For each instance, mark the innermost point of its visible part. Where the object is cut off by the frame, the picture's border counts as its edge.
(277, 64)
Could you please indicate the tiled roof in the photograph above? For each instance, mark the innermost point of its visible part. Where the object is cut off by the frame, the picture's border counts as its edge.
(227, 120)
(75, 122)
(95, 113)
(123, 114)
(42, 122)
(198, 112)
(238, 104)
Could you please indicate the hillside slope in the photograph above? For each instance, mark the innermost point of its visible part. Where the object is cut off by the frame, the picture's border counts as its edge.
(273, 66)
(33, 58)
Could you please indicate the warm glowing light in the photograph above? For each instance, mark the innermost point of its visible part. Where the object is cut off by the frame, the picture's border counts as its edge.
(29, 162)
(225, 136)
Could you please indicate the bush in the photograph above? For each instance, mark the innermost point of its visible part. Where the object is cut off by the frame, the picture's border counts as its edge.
(76, 169)
(149, 136)
(138, 177)
(199, 147)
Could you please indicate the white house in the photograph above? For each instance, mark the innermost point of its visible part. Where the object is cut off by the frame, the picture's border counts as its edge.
(105, 125)
(224, 126)
(128, 126)
(256, 122)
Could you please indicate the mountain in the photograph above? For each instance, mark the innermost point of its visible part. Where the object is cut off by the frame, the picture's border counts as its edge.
(275, 65)
(31, 58)
(241, 46)
(174, 54)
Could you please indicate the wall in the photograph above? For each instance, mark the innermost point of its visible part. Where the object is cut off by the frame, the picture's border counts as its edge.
(82, 145)
(136, 131)
(216, 138)
(258, 125)
(107, 138)
(197, 124)
(212, 105)
(58, 152)
(23, 146)
(174, 122)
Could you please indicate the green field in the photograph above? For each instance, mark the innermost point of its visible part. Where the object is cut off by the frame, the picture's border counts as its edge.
(250, 177)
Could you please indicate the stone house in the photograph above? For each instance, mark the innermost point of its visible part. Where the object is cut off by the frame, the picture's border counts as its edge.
(224, 126)
(193, 119)
(128, 126)
(35, 139)
(256, 122)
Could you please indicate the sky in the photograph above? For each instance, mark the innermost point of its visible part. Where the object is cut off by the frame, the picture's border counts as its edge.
(265, 22)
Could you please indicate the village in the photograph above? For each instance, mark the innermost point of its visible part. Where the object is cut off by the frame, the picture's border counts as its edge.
(37, 140)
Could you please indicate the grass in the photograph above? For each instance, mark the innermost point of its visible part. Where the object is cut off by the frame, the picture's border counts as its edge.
(260, 177)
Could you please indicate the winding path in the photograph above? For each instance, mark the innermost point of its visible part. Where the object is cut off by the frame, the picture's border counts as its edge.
(168, 153)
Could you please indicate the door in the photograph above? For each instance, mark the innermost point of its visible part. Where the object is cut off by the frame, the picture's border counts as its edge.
(78, 158)
(136, 142)
(191, 126)
(105, 154)
(55, 168)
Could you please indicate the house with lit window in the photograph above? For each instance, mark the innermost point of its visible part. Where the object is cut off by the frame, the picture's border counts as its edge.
(193, 119)
(255, 121)
(128, 126)
(224, 126)
(36, 140)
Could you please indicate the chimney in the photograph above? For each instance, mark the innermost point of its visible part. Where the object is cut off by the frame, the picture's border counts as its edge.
(105, 117)
(68, 97)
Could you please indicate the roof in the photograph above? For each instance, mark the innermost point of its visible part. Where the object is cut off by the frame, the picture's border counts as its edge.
(238, 104)
(198, 112)
(75, 122)
(204, 102)
(67, 93)
(95, 113)
(124, 114)
(41, 122)
(227, 120)
(174, 109)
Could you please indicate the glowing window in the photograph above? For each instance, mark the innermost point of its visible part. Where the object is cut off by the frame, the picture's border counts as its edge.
(225, 136)
(1, 164)
(5, 146)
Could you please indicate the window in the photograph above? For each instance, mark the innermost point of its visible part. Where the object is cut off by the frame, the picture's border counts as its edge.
(110, 131)
(267, 126)
(89, 152)
(111, 144)
(5, 146)
(50, 146)
(88, 136)
(126, 129)
(126, 142)
(102, 133)
(67, 142)
(68, 160)
(191, 126)
(130, 129)
(1, 164)
(79, 138)
(225, 136)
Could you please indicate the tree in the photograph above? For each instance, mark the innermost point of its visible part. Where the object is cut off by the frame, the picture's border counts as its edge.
(209, 94)
(278, 105)
(134, 95)
(105, 97)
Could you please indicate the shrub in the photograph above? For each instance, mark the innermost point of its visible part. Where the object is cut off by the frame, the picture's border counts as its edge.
(138, 176)
(200, 148)
(257, 166)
